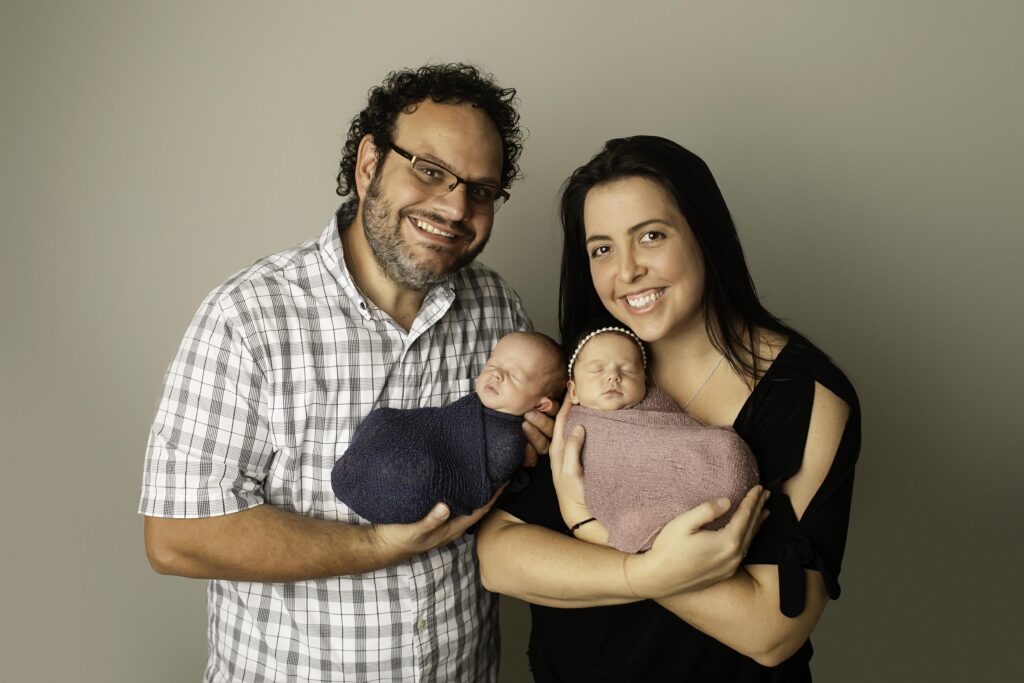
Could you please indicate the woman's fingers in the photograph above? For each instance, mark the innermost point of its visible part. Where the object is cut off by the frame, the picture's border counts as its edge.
(571, 451)
(557, 436)
(705, 513)
(747, 517)
(757, 516)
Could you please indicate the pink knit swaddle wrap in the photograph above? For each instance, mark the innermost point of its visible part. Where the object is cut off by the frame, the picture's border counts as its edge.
(645, 465)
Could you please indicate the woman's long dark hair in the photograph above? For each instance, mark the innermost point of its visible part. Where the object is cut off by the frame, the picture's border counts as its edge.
(732, 309)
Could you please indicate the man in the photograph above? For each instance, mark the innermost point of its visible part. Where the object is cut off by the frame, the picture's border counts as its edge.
(282, 362)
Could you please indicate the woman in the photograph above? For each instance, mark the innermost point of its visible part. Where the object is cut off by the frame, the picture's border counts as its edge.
(649, 240)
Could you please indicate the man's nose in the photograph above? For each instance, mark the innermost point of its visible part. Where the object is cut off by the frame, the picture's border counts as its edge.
(455, 205)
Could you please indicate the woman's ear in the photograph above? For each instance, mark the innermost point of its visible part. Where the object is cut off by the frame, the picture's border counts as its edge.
(572, 392)
(366, 164)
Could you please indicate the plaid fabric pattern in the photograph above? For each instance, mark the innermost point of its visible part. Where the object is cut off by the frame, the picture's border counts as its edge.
(276, 370)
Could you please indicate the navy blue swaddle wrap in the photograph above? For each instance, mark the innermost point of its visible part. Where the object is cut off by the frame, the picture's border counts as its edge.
(402, 462)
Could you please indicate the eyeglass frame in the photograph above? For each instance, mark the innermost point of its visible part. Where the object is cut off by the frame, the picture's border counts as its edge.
(503, 195)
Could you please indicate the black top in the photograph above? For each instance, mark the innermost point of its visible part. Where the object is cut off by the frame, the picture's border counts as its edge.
(643, 641)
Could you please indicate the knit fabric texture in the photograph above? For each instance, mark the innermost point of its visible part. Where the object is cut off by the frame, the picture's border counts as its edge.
(645, 465)
(403, 462)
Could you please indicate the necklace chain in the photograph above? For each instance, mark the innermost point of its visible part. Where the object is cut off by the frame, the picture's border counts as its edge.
(706, 380)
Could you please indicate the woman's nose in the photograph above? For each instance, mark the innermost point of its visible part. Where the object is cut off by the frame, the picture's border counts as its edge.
(629, 267)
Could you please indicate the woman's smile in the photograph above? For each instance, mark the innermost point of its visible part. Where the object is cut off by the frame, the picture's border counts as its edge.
(644, 300)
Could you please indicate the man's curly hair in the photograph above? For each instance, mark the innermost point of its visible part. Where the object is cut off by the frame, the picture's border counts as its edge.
(442, 83)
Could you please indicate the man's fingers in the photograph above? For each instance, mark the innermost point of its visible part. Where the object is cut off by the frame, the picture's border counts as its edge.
(535, 438)
(437, 516)
(530, 455)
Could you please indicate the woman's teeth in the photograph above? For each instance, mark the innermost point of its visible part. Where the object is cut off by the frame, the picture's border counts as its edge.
(644, 300)
(427, 227)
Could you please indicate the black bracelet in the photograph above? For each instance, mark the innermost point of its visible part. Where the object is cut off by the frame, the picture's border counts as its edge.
(577, 525)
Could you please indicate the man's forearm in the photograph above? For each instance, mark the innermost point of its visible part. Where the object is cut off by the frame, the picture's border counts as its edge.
(264, 543)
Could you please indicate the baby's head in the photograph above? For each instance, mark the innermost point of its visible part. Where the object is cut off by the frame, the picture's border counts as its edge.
(526, 371)
(606, 372)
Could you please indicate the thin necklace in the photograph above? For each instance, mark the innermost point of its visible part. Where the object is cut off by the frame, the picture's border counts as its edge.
(706, 380)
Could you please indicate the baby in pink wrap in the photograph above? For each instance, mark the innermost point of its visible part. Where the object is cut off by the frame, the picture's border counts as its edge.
(644, 460)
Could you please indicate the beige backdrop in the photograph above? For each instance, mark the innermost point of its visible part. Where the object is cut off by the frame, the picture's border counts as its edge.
(871, 153)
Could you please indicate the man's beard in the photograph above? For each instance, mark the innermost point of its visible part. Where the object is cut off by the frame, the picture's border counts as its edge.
(391, 251)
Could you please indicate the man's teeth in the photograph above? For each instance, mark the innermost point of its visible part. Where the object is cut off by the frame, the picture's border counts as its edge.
(427, 227)
(645, 300)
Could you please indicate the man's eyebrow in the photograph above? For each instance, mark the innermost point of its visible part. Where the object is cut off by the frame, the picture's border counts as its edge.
(632, 231)
(437, 162)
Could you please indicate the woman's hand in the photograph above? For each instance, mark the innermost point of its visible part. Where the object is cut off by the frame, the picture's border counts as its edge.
(567, 476)
(686, 557)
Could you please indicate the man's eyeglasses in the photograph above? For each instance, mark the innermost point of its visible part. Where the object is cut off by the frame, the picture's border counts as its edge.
(439, 181)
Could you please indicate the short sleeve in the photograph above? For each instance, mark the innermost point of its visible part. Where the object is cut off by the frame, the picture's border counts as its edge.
(209, 447)
(775, 426)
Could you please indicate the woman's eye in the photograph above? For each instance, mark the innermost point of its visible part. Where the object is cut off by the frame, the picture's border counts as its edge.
(651, 236)
(599, 251)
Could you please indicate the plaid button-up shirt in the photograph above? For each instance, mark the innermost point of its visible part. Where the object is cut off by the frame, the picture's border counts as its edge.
(276, 370)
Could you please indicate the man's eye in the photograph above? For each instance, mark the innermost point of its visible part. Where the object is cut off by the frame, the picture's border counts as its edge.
(483, 193)
(429, 173)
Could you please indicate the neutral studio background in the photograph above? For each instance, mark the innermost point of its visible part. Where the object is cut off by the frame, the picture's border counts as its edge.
(871, 153)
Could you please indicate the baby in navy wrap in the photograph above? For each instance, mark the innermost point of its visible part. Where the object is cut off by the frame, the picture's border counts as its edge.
(644, 460)
(402, 462)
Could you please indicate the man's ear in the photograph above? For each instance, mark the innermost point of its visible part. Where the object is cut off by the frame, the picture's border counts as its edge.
(546, 405)
(366, 164)
(572, 392)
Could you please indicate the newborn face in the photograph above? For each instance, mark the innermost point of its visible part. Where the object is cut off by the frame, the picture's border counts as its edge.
(608, 373)
(516, 375)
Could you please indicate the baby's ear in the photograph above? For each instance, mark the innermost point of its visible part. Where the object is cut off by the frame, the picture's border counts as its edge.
(572, 392)
(545, 405)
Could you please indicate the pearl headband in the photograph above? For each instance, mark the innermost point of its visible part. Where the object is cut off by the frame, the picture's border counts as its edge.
(620, 330)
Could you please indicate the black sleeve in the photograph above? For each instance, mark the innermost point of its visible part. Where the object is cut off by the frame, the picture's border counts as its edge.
(775, 426)
(536, 503)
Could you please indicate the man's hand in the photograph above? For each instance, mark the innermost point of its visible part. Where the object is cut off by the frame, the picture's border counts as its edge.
(438, 528)
(538, 428)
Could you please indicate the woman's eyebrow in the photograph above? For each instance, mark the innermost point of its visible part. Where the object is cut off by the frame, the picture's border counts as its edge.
(632, 231)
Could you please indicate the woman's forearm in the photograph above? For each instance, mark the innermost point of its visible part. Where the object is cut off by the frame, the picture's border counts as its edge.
(545, 567)
(743, 613)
